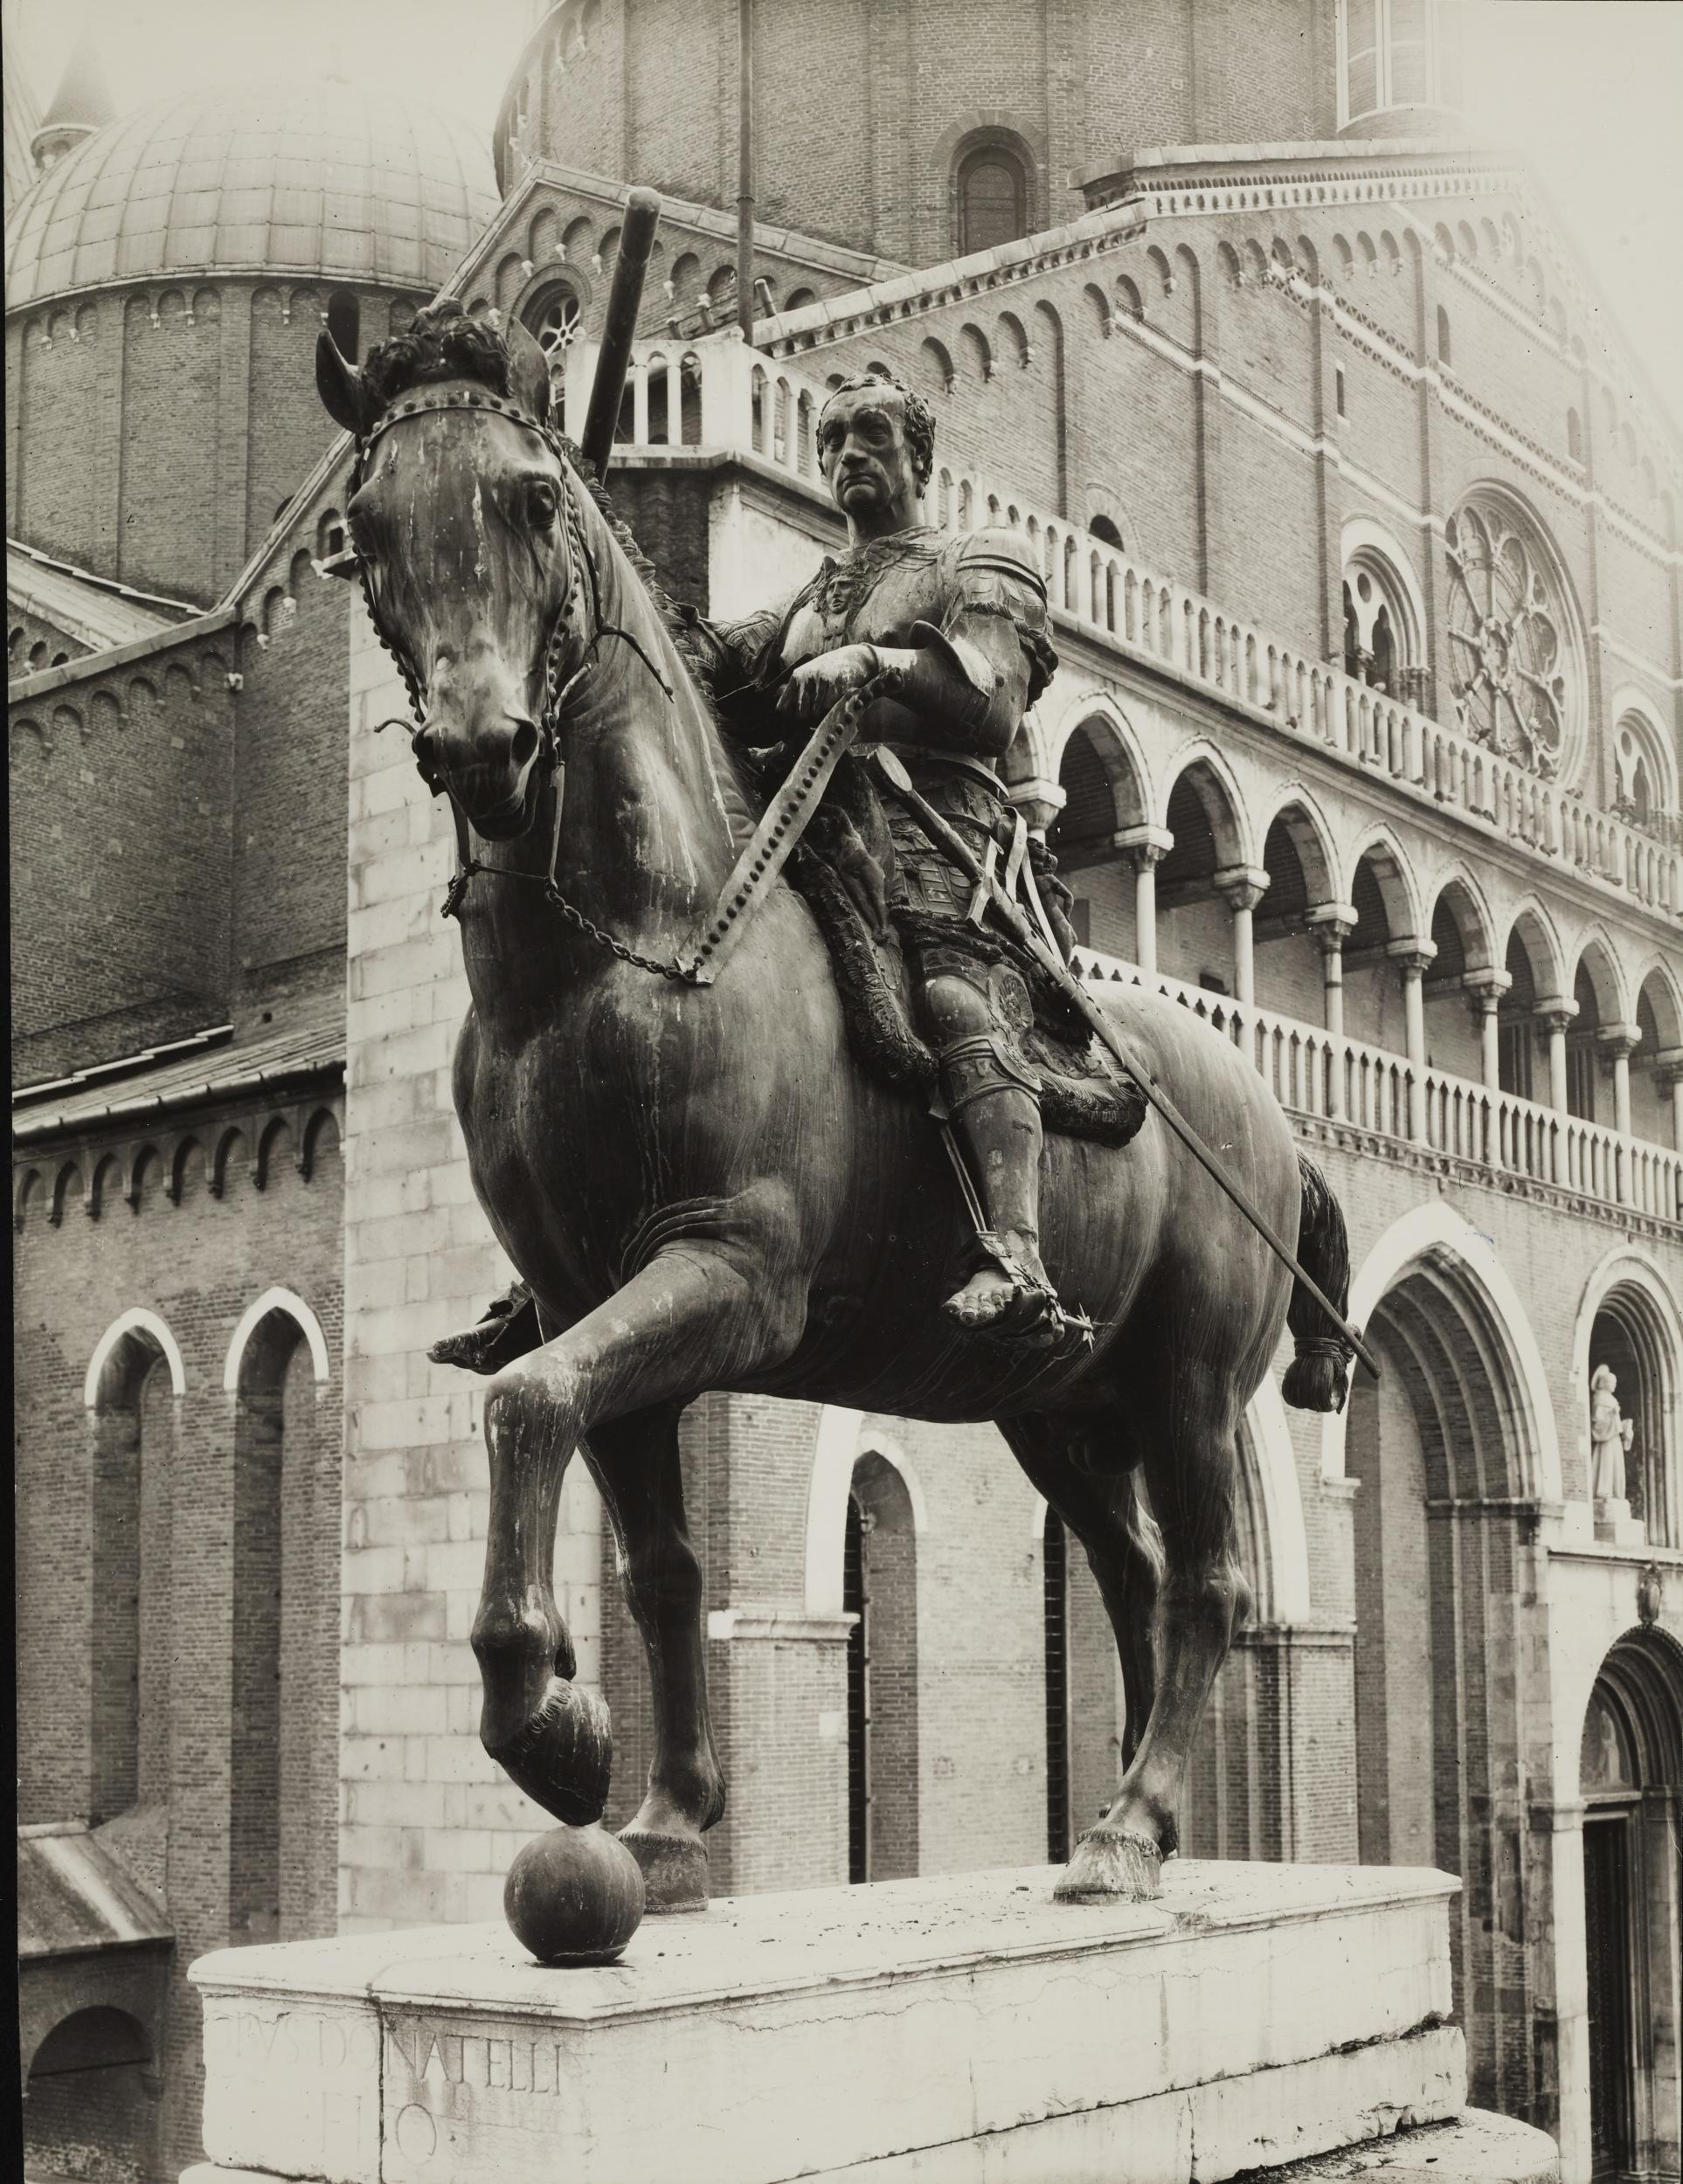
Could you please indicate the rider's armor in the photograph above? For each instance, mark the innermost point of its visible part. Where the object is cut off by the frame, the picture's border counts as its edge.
(950, 599)
(947, 597)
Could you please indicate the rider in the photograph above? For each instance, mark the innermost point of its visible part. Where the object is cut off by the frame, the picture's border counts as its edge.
(957, 624)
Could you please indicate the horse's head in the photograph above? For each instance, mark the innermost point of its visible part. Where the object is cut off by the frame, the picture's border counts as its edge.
(462, 514)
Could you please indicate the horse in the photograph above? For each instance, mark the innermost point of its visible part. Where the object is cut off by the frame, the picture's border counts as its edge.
(703, 1187)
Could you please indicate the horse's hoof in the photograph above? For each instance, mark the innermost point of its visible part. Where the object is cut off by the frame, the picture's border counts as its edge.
(574, 1896)
(674, 1869)
(563, 1757)
(1112, 1865)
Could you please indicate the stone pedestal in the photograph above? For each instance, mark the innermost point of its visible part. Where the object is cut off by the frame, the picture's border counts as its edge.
(962, 2028)
(1616, 1527)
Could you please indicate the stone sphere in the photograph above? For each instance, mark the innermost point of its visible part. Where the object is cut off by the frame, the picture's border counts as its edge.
(574, 1896)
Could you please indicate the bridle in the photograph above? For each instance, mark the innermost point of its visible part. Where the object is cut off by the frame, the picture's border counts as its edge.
(559, 679)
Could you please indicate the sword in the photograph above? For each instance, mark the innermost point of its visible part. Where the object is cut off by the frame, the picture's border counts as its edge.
(948, 839)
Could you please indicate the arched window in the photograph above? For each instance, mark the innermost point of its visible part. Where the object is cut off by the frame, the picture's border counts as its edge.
(1380, 623)
(278, 1779)
(554, 319)
(1574, 436)
(879, 1586)
(1444, 355)
(133, 1425)
(345, 322)
(1103, 528)
(993, 197)
(1642, 790)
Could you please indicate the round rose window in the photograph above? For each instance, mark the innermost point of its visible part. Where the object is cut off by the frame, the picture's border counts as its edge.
(1513, 662)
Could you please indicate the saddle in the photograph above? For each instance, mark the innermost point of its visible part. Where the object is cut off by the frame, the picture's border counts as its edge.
(846, 870)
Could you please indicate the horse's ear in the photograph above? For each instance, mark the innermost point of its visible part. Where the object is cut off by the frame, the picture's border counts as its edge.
(339, 384)
(529, 372)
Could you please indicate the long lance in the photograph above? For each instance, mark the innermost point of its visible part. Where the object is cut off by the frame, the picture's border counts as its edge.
(619, 327)
(948, 839)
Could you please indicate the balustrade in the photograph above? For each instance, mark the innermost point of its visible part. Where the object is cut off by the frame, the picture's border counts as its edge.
(760, 405)
(1338, 1079)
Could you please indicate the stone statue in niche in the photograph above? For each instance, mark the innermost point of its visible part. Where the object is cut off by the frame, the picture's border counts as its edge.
(1610, 1436)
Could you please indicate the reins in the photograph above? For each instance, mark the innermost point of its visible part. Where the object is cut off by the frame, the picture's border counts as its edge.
(556, 692)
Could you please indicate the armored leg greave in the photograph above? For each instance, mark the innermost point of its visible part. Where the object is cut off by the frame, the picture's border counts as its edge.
(993, 1106)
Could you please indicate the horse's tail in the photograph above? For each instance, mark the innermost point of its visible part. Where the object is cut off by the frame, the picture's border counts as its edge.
(1318, 1377)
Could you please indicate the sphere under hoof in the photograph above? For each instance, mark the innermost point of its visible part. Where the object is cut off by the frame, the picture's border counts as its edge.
(1112, 1865)
(574, 1896)
(675, 1870)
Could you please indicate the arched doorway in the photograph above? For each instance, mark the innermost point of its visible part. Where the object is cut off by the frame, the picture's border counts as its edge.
(1630, 1776)
(1445, 1561)
(94, 2064)
(879, 1589)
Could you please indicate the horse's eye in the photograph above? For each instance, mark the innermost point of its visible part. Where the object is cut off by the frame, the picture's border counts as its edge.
(542, 503)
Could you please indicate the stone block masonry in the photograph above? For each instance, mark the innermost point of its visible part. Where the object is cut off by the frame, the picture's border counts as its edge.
(1254, 2013)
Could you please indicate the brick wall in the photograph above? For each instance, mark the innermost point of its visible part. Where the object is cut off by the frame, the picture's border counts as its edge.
(156, 1717)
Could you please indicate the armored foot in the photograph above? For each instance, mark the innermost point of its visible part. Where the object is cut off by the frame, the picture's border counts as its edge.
(1112, 1865)
(674, 1869)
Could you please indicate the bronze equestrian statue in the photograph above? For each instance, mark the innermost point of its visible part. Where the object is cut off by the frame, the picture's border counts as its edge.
(700, 1183)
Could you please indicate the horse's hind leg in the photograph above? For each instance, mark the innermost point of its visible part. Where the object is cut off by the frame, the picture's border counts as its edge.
(635, 1462)
(1190, 1435)
(1101, 1509)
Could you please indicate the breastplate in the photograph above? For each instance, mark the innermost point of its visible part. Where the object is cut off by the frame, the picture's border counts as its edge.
(871, 596)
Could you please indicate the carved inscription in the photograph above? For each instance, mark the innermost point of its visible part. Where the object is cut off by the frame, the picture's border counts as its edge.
(427, 2053)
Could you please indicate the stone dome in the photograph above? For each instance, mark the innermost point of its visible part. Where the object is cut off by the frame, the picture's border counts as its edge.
(316, 178)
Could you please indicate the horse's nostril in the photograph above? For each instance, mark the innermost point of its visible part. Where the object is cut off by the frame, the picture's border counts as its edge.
(523, 748)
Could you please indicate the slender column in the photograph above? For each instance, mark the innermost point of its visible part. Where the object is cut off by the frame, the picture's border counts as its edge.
(1619, 1041)
(1485, 989)
(1331, 924)
(1241, 887)
(1554, 1015)
(1147, 846)
(1668, 1072)
(1411, 957)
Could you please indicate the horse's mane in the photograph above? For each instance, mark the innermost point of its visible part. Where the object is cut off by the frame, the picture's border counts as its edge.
(445, 341)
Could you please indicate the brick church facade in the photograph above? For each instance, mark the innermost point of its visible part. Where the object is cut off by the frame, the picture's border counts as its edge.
(1360, 526)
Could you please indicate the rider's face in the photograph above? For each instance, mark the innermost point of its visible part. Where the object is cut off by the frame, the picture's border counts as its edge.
(865, 454)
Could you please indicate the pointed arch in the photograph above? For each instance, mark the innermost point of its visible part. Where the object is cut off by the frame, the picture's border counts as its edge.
(138, 1320)
(1295, 807)
(1531, 928)
(1206, 771)
(1379, 850)
(1460, 899)
(1597, 959)
(276, 1300)
(1436, 1240)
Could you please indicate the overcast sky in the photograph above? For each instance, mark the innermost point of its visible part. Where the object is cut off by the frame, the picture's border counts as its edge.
(1588, 91)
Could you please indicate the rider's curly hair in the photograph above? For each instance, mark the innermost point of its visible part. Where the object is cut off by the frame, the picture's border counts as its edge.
(444, 341)
(920, 418)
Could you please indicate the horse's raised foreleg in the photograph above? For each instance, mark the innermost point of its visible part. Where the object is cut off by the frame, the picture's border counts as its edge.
(1191, 1471)
(636, 1464)
(692, 1318)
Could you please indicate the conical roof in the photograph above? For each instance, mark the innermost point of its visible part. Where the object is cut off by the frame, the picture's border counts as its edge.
(314, 177)
(83, 99)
